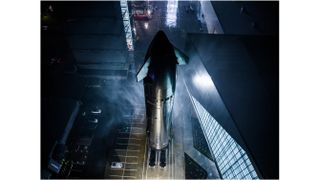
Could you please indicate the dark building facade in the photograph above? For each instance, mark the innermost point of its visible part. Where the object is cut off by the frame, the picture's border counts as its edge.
(225, 118)
(225, 82)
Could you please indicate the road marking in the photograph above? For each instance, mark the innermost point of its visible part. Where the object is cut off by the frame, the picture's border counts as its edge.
(140, 128)
(130, 163)
(134, 133)
(124, 156)
(171, 160)
(116, 169)
(132, 169)
(133, 144)
(125, 159)
(133, 150)
(122, 176)
(138, 123)
(130, 138)
(128, 144)
(144, 160)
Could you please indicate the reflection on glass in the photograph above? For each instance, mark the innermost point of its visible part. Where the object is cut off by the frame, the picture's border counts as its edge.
(171, 17)
(202, 80)
(231, 159)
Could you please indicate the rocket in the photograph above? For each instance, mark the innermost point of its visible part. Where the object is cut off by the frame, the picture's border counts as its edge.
(159, 78)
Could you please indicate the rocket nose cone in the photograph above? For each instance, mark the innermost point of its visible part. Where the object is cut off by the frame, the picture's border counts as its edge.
(160, 34)
(161, 38)
(161, 44)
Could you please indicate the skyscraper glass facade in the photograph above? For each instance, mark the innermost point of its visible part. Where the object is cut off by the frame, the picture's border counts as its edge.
(231, 159)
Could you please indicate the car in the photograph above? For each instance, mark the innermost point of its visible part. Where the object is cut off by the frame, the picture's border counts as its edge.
(81, 163)
(116, 165)
(143, 13)
(94, 120)
(96, 110)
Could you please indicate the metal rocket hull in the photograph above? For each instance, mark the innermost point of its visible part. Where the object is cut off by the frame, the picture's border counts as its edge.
(159, 78)
(159, 96)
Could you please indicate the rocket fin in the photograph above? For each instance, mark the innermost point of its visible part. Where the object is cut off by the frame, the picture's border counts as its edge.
(143, 70)
(181, 57)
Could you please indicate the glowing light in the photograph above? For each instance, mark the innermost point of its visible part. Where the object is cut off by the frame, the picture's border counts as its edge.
(202, 81)
(51, 8)
(134, 31)
(171, 18)
(146, 25)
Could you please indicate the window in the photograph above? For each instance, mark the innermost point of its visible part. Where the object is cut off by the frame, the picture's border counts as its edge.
(231, 159)
(126, 24)
(171, 18)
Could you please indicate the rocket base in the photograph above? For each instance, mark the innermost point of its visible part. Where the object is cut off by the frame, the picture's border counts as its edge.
(159, 163)
(158, 157)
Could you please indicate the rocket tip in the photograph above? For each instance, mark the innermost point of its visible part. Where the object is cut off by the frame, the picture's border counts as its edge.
(161, 35)
(161, 39)
(160, 45)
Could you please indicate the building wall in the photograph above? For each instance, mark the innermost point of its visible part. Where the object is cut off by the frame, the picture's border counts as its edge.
(243, 17)
(235, 78)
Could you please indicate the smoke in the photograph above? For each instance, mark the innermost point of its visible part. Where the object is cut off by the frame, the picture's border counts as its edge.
(124, 97)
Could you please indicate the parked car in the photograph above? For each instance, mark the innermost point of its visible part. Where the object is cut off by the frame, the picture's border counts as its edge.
(116, 165)
(93, 120)
(96, 110)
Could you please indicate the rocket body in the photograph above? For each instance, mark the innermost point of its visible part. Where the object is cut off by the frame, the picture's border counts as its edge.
(159, 79)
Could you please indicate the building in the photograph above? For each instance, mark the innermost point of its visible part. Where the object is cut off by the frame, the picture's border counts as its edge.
(226, 106)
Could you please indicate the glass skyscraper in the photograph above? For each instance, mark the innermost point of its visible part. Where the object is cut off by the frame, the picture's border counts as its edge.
(231, 159)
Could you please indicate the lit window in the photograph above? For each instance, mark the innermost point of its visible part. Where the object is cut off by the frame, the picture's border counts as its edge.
(231, 159)
(171, 18)
(126, 24)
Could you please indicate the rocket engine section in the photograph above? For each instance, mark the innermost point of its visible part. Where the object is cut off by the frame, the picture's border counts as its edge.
(159, 77)
(159, 95)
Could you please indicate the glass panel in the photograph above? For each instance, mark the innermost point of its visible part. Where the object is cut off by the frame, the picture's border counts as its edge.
(126, 24)
(231, 159)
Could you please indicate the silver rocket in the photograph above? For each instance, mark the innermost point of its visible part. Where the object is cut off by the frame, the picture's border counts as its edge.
(159, 78)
